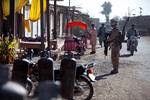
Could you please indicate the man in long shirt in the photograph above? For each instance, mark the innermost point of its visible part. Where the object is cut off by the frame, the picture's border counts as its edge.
(115, 44)
(92, 37)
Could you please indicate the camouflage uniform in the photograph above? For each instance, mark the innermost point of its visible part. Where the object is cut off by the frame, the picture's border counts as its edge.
(101, 34)
(115, 44)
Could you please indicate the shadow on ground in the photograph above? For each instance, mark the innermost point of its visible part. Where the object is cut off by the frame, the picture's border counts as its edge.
(102, 76)
(125, 55)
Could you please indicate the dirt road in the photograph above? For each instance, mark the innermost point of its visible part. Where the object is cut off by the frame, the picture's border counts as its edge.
(133, 80)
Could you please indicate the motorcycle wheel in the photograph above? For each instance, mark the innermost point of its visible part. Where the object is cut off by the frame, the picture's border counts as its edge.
(132, 53)
(82, 52)
(29, 86)
(86, 88)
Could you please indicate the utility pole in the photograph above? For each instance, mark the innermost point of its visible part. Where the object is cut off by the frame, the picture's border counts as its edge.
(69, 4)
(129, 12)
(42, 28)
(140, 11)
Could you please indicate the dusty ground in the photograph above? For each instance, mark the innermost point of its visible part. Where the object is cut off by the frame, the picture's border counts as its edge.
(133, 80)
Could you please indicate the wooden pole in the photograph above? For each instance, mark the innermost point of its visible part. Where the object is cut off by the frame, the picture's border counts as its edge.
(12, 17)
(1, 15)
(72, 18)
(55, 20)
(37, 28)
(67, 21)
(23, 35)
(42, 28)
(73, 13)
(48, 24)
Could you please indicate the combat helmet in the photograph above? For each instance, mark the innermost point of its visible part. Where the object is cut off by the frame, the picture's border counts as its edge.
(113, 22)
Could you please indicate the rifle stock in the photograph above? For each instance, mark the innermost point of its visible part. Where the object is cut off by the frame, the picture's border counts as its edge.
(105, 48)
(123, 30)
(106, 44)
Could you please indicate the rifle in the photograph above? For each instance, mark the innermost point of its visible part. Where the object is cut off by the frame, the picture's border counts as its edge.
(123, 30)
(106, 44)
(105, 48)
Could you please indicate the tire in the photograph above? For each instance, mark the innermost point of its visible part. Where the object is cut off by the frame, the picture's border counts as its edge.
(132, 52)
(29, 86)
(132, 48)
(82, 52)
(87, 89)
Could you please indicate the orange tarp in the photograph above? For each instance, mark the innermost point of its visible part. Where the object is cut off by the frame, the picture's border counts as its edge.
(82, 25)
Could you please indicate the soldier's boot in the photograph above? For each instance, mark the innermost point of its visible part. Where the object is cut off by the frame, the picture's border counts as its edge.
(115, 70)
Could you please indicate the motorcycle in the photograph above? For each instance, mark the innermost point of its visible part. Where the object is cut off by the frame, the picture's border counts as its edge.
(80, 48)
(87, 70)
(84, 78)
(132, 43)
(83, 88)
(75, 44)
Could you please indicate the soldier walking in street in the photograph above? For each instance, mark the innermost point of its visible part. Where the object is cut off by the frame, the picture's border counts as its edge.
(115, 44)
(101, 34)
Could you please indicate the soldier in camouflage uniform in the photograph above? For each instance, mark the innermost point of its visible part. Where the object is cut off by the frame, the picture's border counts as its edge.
(115, 44)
